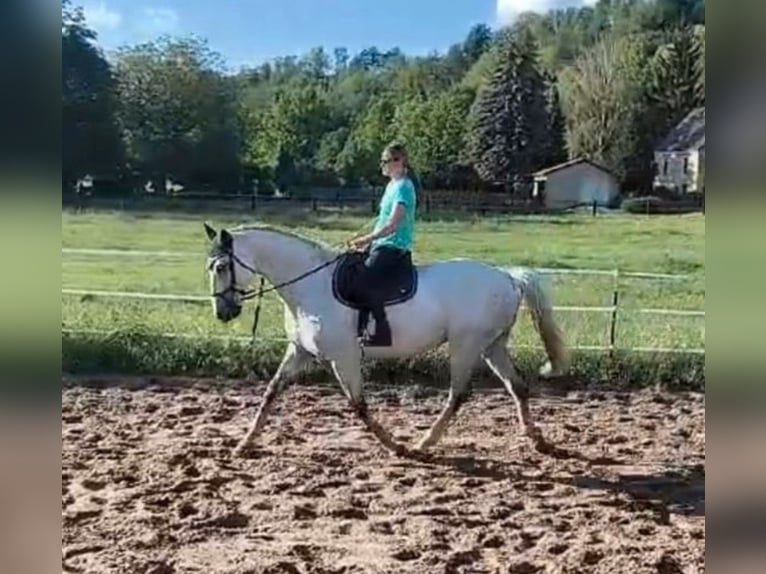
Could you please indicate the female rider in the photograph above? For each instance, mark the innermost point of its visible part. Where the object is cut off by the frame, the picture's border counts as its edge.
(391, 239)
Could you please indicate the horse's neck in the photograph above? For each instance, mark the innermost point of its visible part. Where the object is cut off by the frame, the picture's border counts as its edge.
(281, 258)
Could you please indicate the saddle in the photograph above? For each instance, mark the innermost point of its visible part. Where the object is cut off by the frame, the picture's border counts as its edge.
(399, 287)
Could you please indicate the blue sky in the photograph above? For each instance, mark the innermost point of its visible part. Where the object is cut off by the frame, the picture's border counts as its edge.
(247, 32)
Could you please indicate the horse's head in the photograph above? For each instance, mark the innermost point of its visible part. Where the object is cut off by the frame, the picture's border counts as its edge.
(229, 275)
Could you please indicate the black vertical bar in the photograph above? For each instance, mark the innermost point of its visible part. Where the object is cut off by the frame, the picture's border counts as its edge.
(613, 327)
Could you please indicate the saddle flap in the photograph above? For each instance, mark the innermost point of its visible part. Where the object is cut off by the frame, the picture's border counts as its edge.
(399, 287)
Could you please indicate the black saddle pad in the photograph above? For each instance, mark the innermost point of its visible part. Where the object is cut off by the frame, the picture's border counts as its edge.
(398, 288)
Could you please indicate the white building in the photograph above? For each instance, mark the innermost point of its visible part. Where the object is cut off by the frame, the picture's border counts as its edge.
(575, 182)
(680, 158)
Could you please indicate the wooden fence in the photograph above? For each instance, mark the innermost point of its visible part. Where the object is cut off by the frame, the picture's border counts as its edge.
(340, 199)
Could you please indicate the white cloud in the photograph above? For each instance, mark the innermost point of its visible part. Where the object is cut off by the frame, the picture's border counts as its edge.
(159, 20)
(508, 10)
(101, 18)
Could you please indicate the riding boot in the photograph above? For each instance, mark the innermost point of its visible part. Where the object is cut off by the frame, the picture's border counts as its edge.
(382, 335)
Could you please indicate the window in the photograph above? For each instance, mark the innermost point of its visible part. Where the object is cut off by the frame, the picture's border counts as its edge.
(665, 166)
(686, 165)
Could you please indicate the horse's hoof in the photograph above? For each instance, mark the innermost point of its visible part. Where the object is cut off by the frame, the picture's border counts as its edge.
(420, 454)
(534, 433)
(401, 450)
(543, 446)
(243, 450)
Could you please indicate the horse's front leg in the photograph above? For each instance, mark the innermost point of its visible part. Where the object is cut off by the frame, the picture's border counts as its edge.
(348, 371)
(295, 361)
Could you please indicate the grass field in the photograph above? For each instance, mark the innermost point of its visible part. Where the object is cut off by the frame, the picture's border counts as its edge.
(660, 244)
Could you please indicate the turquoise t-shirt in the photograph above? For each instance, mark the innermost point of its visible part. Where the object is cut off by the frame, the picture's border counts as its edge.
(398, 191)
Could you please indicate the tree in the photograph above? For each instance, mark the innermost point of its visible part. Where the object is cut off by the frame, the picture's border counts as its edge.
(555, 126)
(179, 115)
(604, 102)
(434, 131)
(508, 120)
(340, 59)
(677, 79)
(91, 142)
(291, 130)
(371, 132)
(477, 42)
(316, 64)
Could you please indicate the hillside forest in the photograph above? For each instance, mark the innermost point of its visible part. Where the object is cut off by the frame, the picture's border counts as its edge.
(605, 81)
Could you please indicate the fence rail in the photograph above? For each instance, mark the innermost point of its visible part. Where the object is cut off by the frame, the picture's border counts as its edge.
(206, 299)
(613, 309)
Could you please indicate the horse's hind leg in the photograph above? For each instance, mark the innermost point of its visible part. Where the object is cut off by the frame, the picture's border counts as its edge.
(461, 365)
(499, 361)
(294, 362)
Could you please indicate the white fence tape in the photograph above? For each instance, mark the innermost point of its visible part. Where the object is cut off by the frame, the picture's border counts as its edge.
(206, 299)
(137, 295)
(128, 253)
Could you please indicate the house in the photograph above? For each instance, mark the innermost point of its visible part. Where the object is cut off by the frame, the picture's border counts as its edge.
(576, 182)
(680, 157)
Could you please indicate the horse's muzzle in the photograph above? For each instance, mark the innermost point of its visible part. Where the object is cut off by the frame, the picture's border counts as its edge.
(228, 313)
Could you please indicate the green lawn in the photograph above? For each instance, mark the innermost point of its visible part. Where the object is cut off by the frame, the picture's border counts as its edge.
(662, 244)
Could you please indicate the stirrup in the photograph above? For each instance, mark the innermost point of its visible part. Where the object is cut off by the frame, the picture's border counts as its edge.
(368, 340)
(376, 339)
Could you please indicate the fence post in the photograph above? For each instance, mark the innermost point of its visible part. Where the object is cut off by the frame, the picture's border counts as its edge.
(615, 302)
(595, 208)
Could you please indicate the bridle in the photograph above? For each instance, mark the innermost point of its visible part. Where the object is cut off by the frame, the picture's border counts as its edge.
(244, 294)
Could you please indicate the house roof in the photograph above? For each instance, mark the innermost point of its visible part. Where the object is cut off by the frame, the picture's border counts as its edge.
(689, 134)
(566, 164)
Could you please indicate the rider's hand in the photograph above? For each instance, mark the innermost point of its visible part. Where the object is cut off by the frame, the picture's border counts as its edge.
(359, 243)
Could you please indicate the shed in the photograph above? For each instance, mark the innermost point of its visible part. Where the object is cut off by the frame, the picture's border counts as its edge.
(680, 156)
(576, 182)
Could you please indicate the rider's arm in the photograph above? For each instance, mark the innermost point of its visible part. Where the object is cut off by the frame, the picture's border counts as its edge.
(393, 222)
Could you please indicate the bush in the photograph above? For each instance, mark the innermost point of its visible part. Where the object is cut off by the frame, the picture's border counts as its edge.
(652, 204)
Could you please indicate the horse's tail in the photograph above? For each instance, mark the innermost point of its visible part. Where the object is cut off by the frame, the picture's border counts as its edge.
(540, 308)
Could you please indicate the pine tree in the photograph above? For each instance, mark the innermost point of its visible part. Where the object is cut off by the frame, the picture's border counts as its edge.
(532, 109)
(556, 127)
(677, 77)
(508, 119)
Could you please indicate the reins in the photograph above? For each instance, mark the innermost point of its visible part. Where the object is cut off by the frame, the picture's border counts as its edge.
(259, 293)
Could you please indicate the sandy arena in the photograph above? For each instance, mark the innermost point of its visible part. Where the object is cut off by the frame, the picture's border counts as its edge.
(149, 485)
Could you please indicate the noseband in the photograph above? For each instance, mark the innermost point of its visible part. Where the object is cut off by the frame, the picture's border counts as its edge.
(244, 294)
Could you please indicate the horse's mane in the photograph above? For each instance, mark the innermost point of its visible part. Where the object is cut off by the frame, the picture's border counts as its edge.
(316, 244)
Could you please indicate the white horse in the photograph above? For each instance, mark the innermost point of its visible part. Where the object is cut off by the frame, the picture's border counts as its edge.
(469, 304)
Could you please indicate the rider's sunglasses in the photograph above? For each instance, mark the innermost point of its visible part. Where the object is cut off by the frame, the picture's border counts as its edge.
(387, 160)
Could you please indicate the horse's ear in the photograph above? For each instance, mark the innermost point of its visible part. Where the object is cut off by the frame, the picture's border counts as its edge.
(226, 239)
(211, 233)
